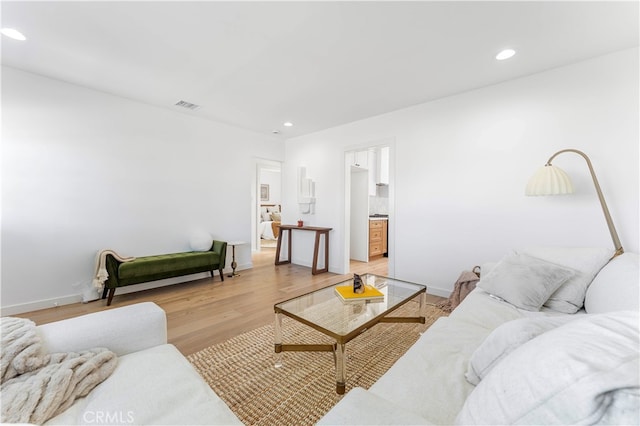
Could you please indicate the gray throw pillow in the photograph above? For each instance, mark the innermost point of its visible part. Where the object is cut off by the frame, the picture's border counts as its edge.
(524, 281)
(585, 261)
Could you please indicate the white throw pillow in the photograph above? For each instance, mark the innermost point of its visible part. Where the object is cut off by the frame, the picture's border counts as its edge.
(505, 339)
(201, 241)
(486, 267)
(275, 216)
(524, 281)
(584, 372)
(616, 287)
(569, 298)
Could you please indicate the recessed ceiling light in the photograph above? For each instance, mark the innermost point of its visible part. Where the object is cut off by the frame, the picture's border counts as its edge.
(505, 54)
(287, 124)
(14, 34)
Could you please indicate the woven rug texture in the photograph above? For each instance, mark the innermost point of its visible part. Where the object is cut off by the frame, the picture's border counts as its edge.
(242, 372)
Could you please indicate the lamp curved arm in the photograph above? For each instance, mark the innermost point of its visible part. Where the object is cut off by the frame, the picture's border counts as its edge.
(605, 209)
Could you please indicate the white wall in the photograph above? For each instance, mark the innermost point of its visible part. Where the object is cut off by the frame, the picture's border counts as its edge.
(84, 171)
(461, 164)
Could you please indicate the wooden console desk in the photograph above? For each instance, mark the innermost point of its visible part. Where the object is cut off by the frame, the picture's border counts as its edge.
(319, 231)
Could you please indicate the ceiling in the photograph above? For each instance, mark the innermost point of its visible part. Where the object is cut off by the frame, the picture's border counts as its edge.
(256, 65)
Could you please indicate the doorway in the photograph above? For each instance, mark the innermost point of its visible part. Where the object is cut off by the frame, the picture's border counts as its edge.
(369, 227)
(267, 209)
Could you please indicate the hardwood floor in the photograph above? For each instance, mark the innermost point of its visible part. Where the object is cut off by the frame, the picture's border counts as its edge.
(204, 312)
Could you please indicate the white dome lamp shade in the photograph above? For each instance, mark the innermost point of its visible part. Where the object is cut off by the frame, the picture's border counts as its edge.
(551, 180)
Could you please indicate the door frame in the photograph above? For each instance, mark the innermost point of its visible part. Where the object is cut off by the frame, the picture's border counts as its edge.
(391, 143)
(260, 164)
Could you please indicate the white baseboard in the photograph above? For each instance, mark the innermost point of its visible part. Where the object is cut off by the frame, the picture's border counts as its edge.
(77, 298)
(438, 291)
(40, 304)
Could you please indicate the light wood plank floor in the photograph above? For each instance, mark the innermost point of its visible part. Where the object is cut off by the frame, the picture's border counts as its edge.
(205, 312)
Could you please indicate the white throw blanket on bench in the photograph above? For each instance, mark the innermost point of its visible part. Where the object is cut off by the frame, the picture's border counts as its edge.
(101, 267)
(37, 386)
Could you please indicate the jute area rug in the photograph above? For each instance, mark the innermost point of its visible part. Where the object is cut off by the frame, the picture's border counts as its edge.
(242, 372)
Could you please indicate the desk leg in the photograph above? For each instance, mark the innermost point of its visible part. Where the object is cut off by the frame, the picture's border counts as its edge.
(314, 265)
(326, 252)
(279, 246)
(316, 248)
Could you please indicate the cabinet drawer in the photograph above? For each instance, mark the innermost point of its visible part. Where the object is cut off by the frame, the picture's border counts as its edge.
(376, 224)
(375, 249)
(375, 235)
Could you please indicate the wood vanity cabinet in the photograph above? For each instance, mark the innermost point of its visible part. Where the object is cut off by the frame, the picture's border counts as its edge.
(377, 238)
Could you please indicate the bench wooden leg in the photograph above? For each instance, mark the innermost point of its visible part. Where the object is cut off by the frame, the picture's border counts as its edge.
(112, 291)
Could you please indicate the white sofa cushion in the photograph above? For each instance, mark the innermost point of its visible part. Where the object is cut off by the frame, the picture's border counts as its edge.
(584, 372)
(505, 339)
(372, 410)
(525, 281)
(429, 380)
(586, 261)
(616, 287)
(145, 388)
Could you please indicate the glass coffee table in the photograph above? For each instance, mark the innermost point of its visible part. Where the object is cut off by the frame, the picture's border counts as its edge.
(325, 311)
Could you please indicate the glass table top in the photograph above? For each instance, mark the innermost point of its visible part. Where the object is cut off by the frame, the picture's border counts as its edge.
(323, 308)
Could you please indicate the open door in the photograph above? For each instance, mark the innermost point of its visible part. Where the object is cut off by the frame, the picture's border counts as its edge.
(359, 239)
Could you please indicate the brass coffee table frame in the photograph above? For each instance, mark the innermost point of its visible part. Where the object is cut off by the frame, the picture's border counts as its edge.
(338, 348)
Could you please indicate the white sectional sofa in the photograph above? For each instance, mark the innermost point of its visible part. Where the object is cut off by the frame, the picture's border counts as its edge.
(531, 366)
(152, 384)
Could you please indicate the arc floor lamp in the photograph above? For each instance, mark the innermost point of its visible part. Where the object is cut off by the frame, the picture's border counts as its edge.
(551, 180)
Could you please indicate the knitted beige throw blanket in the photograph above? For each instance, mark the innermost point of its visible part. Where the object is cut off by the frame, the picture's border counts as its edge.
(37, 386)
(101, 274)
(464, 285)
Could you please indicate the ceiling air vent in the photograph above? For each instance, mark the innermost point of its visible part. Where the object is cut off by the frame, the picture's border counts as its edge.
(187, 105)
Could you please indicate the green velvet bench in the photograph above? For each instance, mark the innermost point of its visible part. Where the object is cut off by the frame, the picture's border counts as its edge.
(152, 268)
